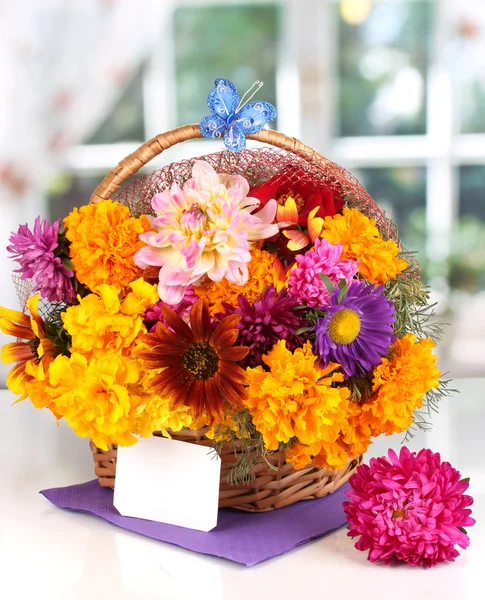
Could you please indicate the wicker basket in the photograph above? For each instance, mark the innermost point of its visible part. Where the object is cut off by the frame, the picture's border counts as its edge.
(273, 486)
(275, 483)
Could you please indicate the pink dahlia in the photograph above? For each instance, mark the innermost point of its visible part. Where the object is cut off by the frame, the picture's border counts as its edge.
(305, 283)
(411, 508)
(40, 258)
(204, 228)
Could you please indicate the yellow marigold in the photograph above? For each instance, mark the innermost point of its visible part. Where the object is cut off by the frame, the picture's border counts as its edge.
(296, 398)
(362, 241)
(261, 274)
(157, 415)
(400, 384)
(104, 238)
(98, 398)
(101, 323)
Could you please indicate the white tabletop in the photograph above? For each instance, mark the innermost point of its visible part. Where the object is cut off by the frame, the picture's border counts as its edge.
(49, 553)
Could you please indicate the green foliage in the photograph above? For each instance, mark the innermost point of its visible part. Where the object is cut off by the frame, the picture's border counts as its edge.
(248, 447)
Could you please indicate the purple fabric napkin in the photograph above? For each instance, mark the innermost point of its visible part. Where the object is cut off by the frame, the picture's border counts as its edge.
(247, 538)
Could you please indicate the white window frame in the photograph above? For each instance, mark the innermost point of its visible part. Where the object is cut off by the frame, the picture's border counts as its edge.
(307, 73)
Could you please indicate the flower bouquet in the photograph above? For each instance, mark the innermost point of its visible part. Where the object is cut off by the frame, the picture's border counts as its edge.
(256, 301)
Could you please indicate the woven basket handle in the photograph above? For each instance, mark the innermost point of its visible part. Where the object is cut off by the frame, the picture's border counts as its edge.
(135, 161)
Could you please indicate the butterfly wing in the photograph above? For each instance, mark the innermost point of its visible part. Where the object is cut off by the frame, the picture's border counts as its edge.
(234, 138)
(223, 99)
(254, 116)
(212, 126)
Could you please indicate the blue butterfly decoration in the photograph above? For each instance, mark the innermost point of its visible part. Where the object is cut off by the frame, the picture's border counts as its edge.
(234, 118)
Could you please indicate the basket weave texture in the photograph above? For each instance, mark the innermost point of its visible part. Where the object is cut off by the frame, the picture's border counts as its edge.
(275, 483)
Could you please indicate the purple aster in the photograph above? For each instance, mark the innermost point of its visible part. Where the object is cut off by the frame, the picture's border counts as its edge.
(357, 329)
(154, 312)
(35, 251)
(270, 319)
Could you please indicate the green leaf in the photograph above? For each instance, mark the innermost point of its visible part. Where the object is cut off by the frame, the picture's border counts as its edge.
(467, 479)
(303, 330)
(67, 263)
(327, 282)
(463, 530)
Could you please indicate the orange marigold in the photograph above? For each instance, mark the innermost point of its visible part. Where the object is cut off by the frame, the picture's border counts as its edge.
(361, 241)
(104, 238)
(261, 274)
(354, 439)
(400, 384)
(296, 398)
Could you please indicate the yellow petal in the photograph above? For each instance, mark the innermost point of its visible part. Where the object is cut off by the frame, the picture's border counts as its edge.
(315, 224)
(16, 352)
(33, 306)
(298, 240)
(18, 331)
(15, 316)
(288, 212)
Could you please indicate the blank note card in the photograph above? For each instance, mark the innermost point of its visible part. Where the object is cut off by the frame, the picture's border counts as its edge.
(168, 481)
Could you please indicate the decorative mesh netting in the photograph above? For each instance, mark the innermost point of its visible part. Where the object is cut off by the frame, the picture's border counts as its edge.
(257, 166)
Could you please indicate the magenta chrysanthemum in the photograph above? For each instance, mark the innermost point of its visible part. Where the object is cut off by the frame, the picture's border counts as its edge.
(269, 319)
(182, 308)
(410, 508)
(36, 252)
(305, 283)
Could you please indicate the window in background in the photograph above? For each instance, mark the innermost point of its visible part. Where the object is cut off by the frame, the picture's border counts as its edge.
(125, 121)
(67, 190)
(467, 260)
(382, 61)
(401, 192)
(239, 43)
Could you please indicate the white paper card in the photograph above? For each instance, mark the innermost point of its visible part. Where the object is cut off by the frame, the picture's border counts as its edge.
(168, 481)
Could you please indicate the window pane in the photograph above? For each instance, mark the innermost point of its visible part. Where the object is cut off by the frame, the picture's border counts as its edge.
(124, 122)
(235, 42)
(401, 192)
(467, 264)
(65, 191)
(383, 57)
(472, 101)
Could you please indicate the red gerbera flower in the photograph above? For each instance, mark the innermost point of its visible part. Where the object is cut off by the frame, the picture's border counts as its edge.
(198, 364)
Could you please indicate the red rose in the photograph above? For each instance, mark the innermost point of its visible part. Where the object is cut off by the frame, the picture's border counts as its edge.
(307, 195)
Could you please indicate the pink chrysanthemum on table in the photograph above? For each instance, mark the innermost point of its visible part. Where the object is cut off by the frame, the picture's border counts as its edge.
(204, 228)
(411, 508)
(36, 252)
(304, 282)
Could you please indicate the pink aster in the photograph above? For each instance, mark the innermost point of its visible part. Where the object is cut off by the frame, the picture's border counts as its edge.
(204, 228)
(411, 508)
(305, 283)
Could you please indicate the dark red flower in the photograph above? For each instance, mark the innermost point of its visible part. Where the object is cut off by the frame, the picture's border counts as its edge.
(295, 182)
(194, 364)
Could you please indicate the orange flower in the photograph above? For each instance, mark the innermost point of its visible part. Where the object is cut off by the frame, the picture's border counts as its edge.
(194, 365)
(263, 271)
(104, 238)
(32, 356)
(400, 384)
(361, 241)
(294, 398)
